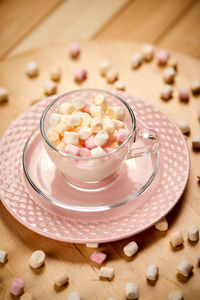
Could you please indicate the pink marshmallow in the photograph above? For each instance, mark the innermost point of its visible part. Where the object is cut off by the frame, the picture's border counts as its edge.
(72, 149)
(122, 135)
(198, 258)
(84, 152)
(183, 94)
(108, 149)
(89, 143)
(74, 50)
(17, 287)
(98, 257)
(87, 107)
(162, 57)
(80, 74)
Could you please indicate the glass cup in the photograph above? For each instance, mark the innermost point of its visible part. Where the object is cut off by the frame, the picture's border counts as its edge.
(97, 173)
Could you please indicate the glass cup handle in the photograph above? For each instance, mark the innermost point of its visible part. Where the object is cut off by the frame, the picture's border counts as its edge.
(150, 140)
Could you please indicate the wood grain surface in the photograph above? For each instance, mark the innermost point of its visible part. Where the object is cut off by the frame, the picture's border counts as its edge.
(154, 246)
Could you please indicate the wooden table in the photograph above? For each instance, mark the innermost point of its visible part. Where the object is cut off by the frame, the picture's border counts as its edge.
(171, 24)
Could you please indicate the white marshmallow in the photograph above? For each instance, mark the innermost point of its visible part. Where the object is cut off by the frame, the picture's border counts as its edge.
(3, 256)
(37, 259)
(136, 60)
(53, 137)
(85, 119)
(168, 75)
(55, 73)
(104, 67)
(195, 86)
(152, 272)
(92, 245)
(66, 108)
(162, 225)
(119, 124)
(175, 295)
(70, 138)
(98, 151)
(196, 141)
(116, 112)
(101, 138)
(54, 119)
(130, 249)
(96, 125)
(61, 127)
(74, 296)
(109, 125)
(106, 273)
(50, 87)
(166, 92)
(132, 291)
(101, 101)
(84, 133)
(185, 268)
(193, 233)
(176, 238)
(3, 95)
(78, 102)
(32, 69)
(73, 120)
(61, 279)
(96, 111)
(148, 52)
(111, 76)
(119, 85)
(184, 127)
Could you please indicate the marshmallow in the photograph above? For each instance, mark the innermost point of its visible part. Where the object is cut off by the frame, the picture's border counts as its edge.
(92, 245)
(70, 138)
(175, 295)
(166, 92)
(104, 67)
(80, 75)
(130, 249)
(136, 60)
(162, 225)
(168, 75)
(3, 94)
(148, 52)
(3, 256)
(37, 259)
(152, 272)
(73, 120)
(55, 73)
(84, 133)
(111, 76)
(89, 143)
(78, 102)
(185, 268)
(96, 124)
(61, 128)
(50, 87)
(196, 141)
(101, 101)
(17, 287)
(74, 50)
(98, 257)
(53, 137)
(96, 111)
(61, 146)
(132, 291)
(87, 107)
(84, 152)
(184, 127)
(85, 119)
(98, 151)
(26, 296)
(74, 296)
(109, 125)
(106, 273)
(193, 233)
(195, 86)
(32, 69)
(183, 94)
(108, 149)
(61, 279)
(122, 135)
(54, 119)
(176, 238)
(101, 138)
(119, 85)
(162, 57)
(116, 112)
(119, 124)
(72, 149)
(66, 108)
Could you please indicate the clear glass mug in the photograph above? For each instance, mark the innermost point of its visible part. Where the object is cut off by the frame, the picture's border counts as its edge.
(97, 173)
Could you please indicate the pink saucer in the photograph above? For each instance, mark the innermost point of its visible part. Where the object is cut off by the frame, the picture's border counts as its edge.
(46, 219)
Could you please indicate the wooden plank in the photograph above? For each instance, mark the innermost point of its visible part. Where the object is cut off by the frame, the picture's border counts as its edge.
(72, 20)
(154, 246)
(185, 35)
(19, 17)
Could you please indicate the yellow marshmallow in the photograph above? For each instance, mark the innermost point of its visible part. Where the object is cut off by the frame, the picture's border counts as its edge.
(96, 124)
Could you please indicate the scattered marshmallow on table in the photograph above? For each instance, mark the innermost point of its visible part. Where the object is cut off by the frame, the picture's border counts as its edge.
(26, 296)
(74, 296)
(84, 133)
(130, 249)
(70, 138)
(193, 233)
(3, 94)
(169, 75)
(101, 138)
(74, 50)
(176, 238)
(92, 245)
(183, 94)
(136, 60)
(162, 57)
(185, 268)
(98, 257)
(17, 287)
(3, 256)
(132, 291)
(184, 127)
(104, 67)
(148, 52)
(111, 76)
(55, 73)
(195, 86)
(32, 69)
(98, 151)
(166, 92)
(106, 273)
(162, 225)
(196, 141)
(175, 295)
(50, 87)
(61, 279)
(119, 85)
(80, 75)
(152, 272)
(37, 259)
